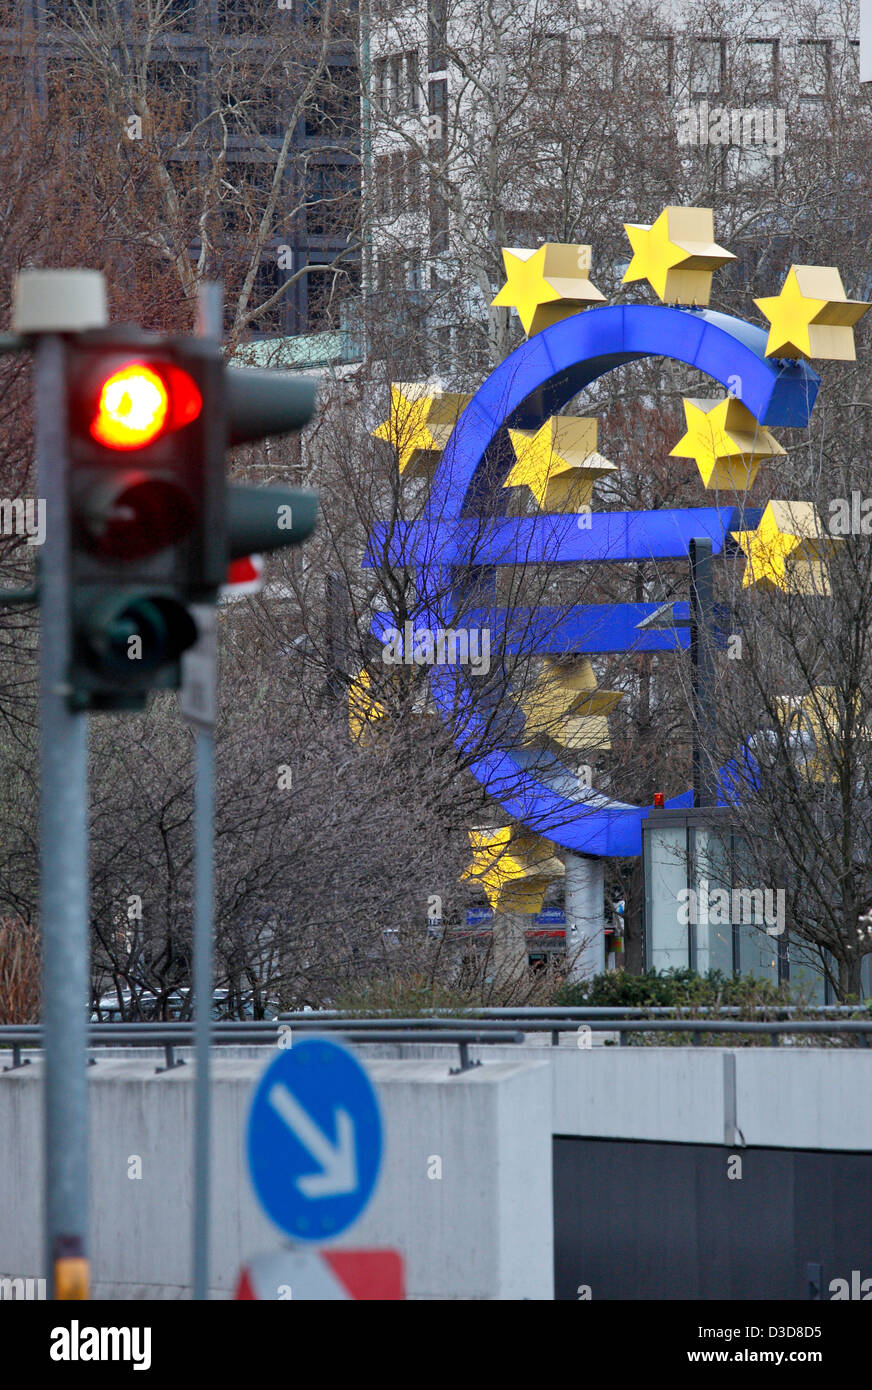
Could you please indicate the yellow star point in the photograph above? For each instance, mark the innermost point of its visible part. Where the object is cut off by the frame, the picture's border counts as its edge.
(514, 868)
(558, 462)
(788, 550)
(677, 254)
(812, 317)
(815, 723)
(364, 710)
(420, 424)
(726, 442)
(548, 284)
(566, 706)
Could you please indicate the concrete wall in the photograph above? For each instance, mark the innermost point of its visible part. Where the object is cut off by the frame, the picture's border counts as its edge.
(481, 1231)
(484, 1229)
(786, 1097)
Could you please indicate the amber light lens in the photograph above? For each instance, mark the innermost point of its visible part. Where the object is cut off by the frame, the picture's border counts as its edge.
(137, 404)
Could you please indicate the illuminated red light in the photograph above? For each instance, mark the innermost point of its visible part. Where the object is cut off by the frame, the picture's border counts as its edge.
(659, 801)
(137, 404)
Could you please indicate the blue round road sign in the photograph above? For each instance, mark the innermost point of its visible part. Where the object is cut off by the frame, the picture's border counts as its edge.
(314, 1140)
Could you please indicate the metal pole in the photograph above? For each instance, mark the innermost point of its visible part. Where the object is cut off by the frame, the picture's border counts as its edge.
(204, 810)
(63, 849)
(703, 675)
(209, 324)
(585, 915)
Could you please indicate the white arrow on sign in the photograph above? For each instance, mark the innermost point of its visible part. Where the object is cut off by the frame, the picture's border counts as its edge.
(338, 1162)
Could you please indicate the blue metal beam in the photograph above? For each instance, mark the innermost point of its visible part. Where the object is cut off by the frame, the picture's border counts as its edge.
(581, 629)
(569, 538)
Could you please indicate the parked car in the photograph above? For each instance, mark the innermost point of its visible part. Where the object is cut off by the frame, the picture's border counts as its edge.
(152, 1007)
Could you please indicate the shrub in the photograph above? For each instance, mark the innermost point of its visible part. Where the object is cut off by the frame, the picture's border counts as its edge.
(20, 966)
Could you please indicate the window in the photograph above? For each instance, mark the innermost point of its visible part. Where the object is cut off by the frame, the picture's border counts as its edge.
(14, 79)
(398, 270)
(395, 84)
(438, 222)
(320, 308)
(396, 183)
(379, 69)
(814, 64)
(243, 17)
(381, 185)
(706, 67)
(397, 180)
(268, 109)
(331, 188)
(652, 63)
(437, 36)
(413, 177)
(749, 166)
(182, 14)
(335, 109)
(268, 279)
(444, 358)
(244, 201)
(67, 12)
(437, 102)
(173, 92)
(600, 55)
(761, 67)
(412, 81)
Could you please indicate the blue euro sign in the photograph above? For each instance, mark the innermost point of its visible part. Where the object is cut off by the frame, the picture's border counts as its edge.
(458, 533)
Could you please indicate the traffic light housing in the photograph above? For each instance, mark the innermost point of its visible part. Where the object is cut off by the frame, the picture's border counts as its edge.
(153, 522)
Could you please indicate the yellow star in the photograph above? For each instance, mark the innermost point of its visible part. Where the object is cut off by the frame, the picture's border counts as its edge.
(420, 424)
(364, 709)
(566, 707)
(677, 254)
(559, 462)
(816, 722)
(726, 442)
(811, 317)
(513, 868)
(547, 285)
(788, 549)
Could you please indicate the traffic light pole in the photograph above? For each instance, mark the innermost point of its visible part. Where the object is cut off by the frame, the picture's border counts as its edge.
(209, 325)
(204, 819)
(63, 844)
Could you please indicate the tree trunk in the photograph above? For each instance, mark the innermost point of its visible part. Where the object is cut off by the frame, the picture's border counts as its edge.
(849, 977)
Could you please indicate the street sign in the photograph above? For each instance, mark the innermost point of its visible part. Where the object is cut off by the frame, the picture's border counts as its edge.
(314, 1140)
(323, 1276)
(197, 693)
(476, 915)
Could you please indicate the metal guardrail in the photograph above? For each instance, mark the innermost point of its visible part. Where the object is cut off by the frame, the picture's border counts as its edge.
(472, 1028)
(604, 1019)
(571, 1011)
(268, 1032)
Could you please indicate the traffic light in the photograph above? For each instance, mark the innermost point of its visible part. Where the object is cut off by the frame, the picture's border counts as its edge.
(153, 522)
